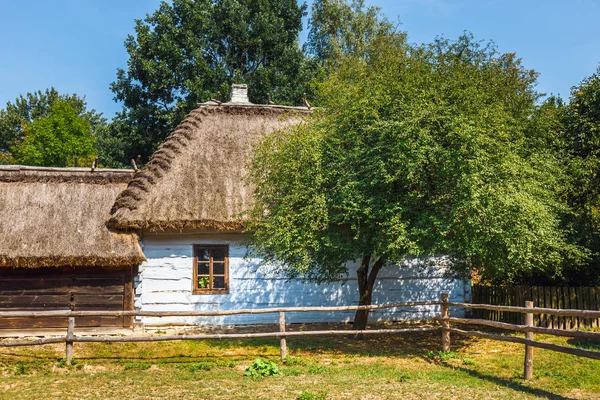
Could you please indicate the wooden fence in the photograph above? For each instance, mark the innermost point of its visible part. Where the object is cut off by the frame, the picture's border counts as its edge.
(574, 298)
(444, 319)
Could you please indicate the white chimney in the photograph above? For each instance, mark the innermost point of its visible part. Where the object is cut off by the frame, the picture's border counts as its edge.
(239, 94)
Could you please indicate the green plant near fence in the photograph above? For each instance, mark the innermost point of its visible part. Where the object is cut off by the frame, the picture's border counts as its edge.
(577, 298)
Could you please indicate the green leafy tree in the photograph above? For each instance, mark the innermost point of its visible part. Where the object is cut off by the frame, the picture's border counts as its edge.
(25, 109)
(189, 50)
(339, 27)
(420, 152)
(581, 144)
(63, 138)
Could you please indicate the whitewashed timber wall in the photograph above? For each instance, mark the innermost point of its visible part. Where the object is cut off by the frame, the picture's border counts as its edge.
(164, 283)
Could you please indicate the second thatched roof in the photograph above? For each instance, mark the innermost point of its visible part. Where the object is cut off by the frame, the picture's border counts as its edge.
(57, 217)
(195, 180)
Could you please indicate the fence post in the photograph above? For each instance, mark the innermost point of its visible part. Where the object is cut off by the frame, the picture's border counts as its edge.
(528, 364)
(69, 341)
(282, 341)
(445, 323)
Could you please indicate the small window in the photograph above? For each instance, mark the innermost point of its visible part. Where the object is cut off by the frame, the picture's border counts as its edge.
(211, 269)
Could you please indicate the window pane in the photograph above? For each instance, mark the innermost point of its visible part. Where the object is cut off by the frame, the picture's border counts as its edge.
(218, 268)
(203, 282)
(203, 269)
(203, 254)
(218, 282)
(218, 254)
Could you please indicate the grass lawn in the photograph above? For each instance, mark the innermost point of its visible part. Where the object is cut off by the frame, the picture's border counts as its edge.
(385, 367)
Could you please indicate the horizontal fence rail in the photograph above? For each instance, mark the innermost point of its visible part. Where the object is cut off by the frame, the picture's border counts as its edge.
(194, 313)
(536, 310)
(523, 328)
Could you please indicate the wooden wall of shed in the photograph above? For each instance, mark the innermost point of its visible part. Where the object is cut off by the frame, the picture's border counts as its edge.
(65, 288)
(164, 282)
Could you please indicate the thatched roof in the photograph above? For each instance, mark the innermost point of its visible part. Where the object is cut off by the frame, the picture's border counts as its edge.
(195, 180)
(57, 216)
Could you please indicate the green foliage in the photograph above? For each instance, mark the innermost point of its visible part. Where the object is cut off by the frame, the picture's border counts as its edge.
(441, 355)
(201, 366)
(136, 366)
(306, 395)
(468, 361)
(189, 50)
(339, 28)
(203, 282)
(22, 369)
(261, 368)
(581, 145)
(420, 151)
(18, 115)
(61, 139)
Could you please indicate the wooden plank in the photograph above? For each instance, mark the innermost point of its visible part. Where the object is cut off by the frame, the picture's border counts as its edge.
(581, 306)
(585, 301)
(528, 361)
(524, 328)
(36, 301)
(128, 339)
(38, 322)
(199, 313)
(112, 302)
(92, 322)
(561, 349)
(540, 310)
(536, 302)
(445, 324)
(596, 305)
(128, 296)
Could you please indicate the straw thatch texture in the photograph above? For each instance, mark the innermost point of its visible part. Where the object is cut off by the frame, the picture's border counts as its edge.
(195, 180)
(56, 217)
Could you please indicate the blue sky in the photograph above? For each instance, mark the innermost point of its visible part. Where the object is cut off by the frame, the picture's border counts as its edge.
(77, 45)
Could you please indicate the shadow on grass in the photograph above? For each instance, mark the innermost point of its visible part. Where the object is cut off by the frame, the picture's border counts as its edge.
(511, 384)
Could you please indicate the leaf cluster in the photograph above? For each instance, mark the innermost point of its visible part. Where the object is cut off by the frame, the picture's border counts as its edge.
(63, 138)
(17, 115)
(261, 368)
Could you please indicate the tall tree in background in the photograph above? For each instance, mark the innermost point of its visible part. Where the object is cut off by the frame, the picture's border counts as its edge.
(419, 152)
(339, 28)
(63, 138)
(581, 135)
(187, 51)
(25, 109)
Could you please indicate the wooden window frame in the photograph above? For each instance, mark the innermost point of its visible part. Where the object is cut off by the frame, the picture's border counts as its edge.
(195, 289)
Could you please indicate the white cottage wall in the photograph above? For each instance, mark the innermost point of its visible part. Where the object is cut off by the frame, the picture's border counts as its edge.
(165, 283)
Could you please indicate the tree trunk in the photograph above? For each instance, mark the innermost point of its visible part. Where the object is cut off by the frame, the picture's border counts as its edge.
(366, 281)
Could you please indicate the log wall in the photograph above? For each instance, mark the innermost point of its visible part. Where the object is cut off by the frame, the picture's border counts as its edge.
(78, 289)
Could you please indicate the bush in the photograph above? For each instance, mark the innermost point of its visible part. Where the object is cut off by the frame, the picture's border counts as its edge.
(261, 368)
(311, 396)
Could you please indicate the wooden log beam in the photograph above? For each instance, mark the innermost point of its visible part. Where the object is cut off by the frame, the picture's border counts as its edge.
(548, 346)
(537, 310)
(35, 342)
(195, 313)
(524, 328)
(528, 361)
(125, 339)
(69, 341)
(445, 323)
(282, 341)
